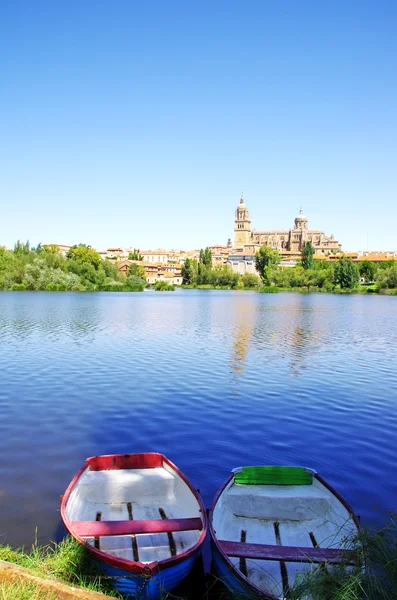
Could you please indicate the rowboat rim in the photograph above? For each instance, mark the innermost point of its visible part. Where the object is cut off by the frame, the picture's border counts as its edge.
(236, 572)
(137, 567)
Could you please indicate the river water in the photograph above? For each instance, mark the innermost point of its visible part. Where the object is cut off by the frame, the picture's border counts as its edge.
(212, 379)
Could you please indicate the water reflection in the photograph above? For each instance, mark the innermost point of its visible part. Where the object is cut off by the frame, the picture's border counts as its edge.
(243, 316)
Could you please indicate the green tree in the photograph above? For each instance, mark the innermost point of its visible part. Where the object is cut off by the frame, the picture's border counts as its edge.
(307, 255)
(135, 284)
(367, 270)
(224, 276)
(21, 248)
(250, 280)
(50, 249)
(266, 260)
(387, 278)
(84, 254)
(206, 257)
(136, 270)
(346, 274)
(135, 255)
(189, 272)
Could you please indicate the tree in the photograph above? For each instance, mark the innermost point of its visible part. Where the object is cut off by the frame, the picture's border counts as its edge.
(307, 255)
(206, 257)
(189, 272)
(250, 280)
(136, 270)
(136, 284)
(135, 255)
(387, 278)
(367, 270)
(84, 254)
(50, 249)
(224, 276)
(266, 259)
(21, 249)
(346, 274)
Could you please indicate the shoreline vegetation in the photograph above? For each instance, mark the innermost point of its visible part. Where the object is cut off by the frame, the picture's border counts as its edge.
(45, 268)
(69, 562)
(340, 275)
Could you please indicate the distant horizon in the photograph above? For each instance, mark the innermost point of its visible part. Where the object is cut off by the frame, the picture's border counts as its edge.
(137, 124)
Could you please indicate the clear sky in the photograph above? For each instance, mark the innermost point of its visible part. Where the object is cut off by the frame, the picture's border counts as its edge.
(139, 123)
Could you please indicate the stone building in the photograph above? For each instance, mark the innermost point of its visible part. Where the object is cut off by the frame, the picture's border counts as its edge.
(290, 240)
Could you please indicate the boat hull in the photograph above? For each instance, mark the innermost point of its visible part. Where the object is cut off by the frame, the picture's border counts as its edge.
(140, 518)
(262, 530)
(155, 586)
(229, 577)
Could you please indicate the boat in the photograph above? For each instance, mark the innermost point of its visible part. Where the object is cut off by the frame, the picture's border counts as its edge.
(139, 517)
(270, 524)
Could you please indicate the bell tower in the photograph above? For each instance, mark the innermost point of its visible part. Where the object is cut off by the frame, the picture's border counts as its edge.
(242, 225)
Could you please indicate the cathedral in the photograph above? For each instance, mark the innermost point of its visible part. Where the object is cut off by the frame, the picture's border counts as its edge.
(283, 240)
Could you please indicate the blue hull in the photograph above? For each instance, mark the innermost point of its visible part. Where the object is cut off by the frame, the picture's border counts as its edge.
(230, 579)
(154, 587)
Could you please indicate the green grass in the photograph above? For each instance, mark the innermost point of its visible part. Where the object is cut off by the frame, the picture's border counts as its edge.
(378, 581)
(22, 590)
(68, 561)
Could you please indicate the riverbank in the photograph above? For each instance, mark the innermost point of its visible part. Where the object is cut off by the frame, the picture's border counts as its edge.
(363, 289)
(274, 289)
(62, 571)
(53, 572)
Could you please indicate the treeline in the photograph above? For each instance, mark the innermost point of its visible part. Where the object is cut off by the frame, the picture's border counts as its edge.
(46, 268)
(329, 276)
(200, 272)
(309, 273)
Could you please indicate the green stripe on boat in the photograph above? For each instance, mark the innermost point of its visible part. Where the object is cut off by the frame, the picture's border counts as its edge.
(273, 476)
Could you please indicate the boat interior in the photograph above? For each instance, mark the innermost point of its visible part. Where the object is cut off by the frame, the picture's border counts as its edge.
(281, 517)
(142, 500)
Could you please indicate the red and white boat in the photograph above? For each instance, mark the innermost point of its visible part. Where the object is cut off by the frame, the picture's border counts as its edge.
(140, 517)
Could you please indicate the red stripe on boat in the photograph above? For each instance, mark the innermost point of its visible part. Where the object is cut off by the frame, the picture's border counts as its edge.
(148, 460)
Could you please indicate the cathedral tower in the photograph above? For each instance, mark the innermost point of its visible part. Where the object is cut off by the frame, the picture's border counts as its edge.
(242, 225)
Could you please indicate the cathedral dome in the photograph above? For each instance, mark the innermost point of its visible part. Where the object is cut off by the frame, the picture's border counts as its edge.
(242, 203)
(301, 216)
(300, 221)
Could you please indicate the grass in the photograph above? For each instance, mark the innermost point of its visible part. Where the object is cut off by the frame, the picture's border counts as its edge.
(378, 581)
(22, 590)
(67, 561)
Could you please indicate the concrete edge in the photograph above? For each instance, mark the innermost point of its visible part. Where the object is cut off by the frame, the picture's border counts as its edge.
(9, 572)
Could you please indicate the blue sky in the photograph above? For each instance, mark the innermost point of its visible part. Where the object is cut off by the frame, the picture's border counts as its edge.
(139, 123)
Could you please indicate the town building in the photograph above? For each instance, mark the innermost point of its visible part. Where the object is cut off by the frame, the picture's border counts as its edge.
(291, 240)
(155, 271)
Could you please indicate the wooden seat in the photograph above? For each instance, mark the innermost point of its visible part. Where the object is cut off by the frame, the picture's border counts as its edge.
(105, 528)
(288, 553)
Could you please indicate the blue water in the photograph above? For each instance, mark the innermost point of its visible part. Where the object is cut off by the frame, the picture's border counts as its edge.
(213, 379)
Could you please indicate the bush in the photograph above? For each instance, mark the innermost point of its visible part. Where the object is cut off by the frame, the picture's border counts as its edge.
(269, 289)
(18, 287)
(163, 286)
(250, 280)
